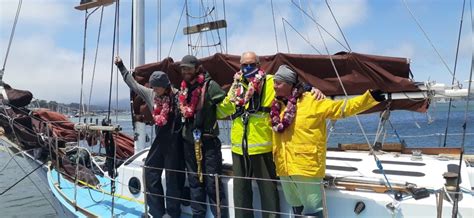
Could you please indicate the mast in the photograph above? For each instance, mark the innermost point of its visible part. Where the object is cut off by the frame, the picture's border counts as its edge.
(138, 44)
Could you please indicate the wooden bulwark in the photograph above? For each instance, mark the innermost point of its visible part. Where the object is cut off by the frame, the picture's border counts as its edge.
(93, 4)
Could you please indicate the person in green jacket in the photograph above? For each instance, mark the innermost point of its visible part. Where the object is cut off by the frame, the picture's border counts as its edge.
(198, 97)
(248, 104)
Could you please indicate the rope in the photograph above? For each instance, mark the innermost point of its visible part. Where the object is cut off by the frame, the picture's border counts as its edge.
(274, 26)
(454, 73)
(12, 33)
(95, 58)
(338, 26)
(428, 38)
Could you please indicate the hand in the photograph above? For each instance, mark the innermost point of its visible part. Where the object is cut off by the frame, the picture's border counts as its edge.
(117, 60)
(318, 95)
(378, 95)
(238, 76)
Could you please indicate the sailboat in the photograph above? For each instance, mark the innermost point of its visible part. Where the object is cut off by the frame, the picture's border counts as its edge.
(361, 180)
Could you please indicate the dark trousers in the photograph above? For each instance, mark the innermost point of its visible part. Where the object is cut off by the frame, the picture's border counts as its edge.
(211, 164)
(168, 156)
(262, 166)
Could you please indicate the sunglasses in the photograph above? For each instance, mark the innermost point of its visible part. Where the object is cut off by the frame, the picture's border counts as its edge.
(249, 65)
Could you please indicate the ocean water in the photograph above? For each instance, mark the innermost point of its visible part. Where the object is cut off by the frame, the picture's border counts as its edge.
(417, 130)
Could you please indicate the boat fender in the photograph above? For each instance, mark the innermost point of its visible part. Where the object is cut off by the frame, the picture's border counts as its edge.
(359, 207)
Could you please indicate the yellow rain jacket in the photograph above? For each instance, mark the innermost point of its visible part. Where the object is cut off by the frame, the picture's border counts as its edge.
(301, 148)
(259, 132)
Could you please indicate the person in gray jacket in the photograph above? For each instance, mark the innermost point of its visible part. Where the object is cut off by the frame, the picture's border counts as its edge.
(167, 148)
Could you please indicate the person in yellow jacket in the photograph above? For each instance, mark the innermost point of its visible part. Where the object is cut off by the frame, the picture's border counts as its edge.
(248, 105)
(299, 137)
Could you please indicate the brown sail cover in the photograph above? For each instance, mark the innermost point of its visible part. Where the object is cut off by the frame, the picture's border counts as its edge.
(358, 73)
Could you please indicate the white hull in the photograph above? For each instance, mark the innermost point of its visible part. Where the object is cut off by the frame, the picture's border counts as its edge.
(341, 202)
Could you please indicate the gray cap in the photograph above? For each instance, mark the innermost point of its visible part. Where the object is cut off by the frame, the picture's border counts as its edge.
(159, 79)
(189, 61)
(286, 74)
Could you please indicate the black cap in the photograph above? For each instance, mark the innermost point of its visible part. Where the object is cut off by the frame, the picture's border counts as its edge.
(189, 61)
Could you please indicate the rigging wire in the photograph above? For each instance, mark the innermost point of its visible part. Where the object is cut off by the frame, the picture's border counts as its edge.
(301, 35)
(226, 49)
(372, 151)
(454, 73)
(464, 126)
(217, 32)
(83, 63)
(116, 69)
(274, 26)
(428, 39)
(286, 36)
(95, 58)
(187, 24)
(176, 30)
(158, 29)
(338, 26)
(10, 41)
(116, 20)
(319, 25)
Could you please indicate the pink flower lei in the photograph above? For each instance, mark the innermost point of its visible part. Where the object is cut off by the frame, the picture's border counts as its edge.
(188, 109)
(279, 125)
(161, 110)
(240, 98)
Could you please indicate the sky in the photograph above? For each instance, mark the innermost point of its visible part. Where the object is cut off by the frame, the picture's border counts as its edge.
(47, 49)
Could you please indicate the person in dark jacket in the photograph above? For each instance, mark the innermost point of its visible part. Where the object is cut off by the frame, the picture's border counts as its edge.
(167, 149)
(198, 97)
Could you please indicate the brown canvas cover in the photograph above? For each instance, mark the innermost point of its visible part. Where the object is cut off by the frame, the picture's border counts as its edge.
(358, 73)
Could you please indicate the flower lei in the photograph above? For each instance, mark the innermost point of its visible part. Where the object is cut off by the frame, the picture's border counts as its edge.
(239, 98)
(279, 125)
(161, 110)
(188, 109)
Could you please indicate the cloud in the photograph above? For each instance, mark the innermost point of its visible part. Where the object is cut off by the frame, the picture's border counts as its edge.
(45, 13)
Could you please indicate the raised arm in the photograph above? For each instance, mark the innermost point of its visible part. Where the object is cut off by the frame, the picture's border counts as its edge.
(142, 91)
(346, 108)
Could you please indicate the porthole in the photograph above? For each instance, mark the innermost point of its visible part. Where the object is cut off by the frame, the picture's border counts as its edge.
(134, 185)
